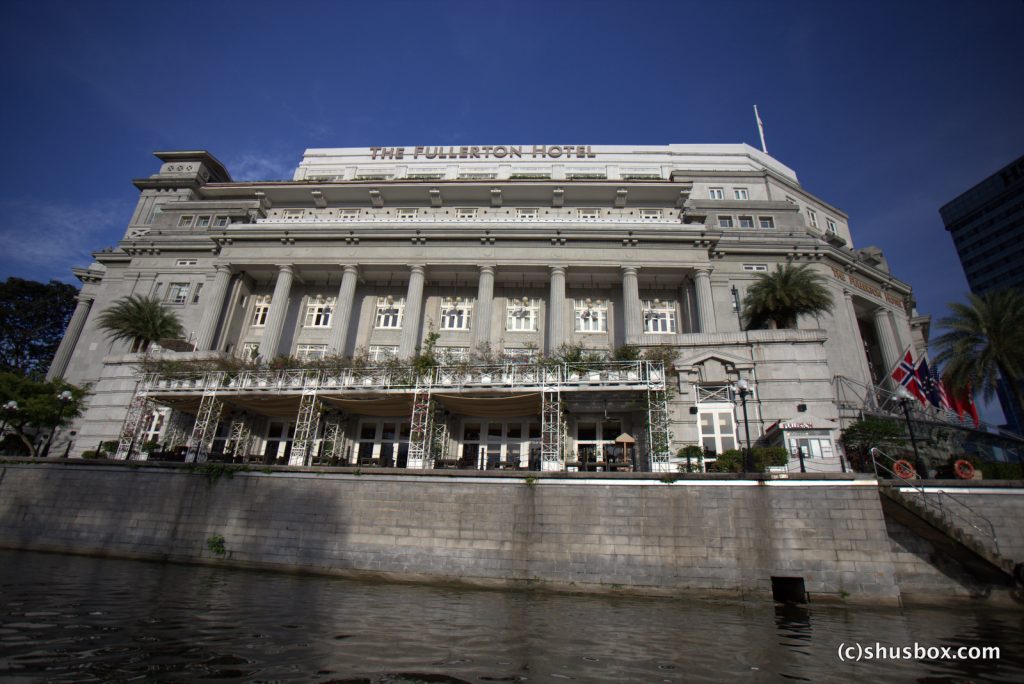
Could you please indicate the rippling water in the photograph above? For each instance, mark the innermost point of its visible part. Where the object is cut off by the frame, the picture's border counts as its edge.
(67, 618)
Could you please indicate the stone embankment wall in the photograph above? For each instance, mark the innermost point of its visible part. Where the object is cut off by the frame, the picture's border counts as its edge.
(720, 536)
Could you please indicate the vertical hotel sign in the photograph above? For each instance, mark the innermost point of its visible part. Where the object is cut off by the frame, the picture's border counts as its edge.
(865, 286)
(486, 152)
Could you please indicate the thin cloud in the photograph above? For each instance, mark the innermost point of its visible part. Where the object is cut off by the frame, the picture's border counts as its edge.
(255, 167)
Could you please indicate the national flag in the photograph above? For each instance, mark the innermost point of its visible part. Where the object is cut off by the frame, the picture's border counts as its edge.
(927, 383)
(963, 403)
(906, 374)
(972, 410)
(940, 388)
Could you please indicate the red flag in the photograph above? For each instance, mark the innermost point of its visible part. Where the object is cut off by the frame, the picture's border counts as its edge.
(962, 403)
(971, 408)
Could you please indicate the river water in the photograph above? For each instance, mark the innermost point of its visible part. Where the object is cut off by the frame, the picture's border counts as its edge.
(76, 619)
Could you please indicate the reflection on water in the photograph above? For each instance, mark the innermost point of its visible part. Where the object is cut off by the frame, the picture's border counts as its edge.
(66, 618)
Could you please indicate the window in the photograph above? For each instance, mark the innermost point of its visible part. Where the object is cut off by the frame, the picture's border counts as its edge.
(307, 352)
(389, 313)
(293, 214)
(186, 262)
(716, 193)
(715, 418)
(186, 221)
(408, 213)
(591, 315)
(221, 221)
(812, 217)
(177, 293)
(349, 213)
(758, 268)
(249, 350)
(379, 353)
(765, 222)
(740, 194)
(453, 354)
(195, 293)
(260, 308)
(279, 441)
(659, 316)
(465, 213)
(746, 221)
(650, 214)
(725, 221)
(318, 312)
(521, 314)
(203, 222)
(586, 213)
(496, 444)
(383, 442)
(456, 313)
(831, 226)
(519, 354)
(527, 213)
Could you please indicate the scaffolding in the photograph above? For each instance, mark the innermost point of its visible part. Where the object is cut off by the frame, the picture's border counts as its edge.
(205, 429)
(550, 422)
(178, 429)
(659, 438)
(439, 438)
(330, 445)
(419, 428)
(134, 423)
(240, 436)
(306, 422)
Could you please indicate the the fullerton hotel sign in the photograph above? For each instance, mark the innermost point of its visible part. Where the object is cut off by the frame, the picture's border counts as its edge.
(485, 152)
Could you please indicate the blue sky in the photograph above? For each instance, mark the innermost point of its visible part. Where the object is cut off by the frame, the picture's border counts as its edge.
(886, 110)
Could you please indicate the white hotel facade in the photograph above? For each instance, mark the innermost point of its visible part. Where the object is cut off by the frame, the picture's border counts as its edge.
(517, 248)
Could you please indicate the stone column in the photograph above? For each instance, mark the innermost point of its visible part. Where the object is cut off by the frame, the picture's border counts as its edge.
(278, 310)
(556, 310)
(214, 301)
(484, 307)
(886, 339)
(413, 308)
(632, 313)
(862, 359)
(70, 339)
(705, 301)
(343, 311)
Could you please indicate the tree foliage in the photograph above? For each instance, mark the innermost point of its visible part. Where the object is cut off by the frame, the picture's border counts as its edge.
(984, 340)
(779, 297)
(140, 321)
(38, 407)
(33, 317)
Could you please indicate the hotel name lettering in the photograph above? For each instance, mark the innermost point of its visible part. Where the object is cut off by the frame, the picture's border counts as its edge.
(867, 287)
(486, 152)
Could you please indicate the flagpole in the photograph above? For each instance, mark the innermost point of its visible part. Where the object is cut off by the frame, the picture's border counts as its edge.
(760, 130)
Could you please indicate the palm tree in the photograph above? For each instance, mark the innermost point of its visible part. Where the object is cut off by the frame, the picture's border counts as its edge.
(985, 342)
(139, 320)
(777, 298)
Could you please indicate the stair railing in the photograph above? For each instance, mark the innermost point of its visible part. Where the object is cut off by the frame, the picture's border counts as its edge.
(949, 506)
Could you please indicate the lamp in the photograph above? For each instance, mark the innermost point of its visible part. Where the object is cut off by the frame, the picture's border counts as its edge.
(904, 397)
(64, 398)
(9, 409)
(743, 389)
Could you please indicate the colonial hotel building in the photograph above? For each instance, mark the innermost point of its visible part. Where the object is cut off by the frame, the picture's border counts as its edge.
(519, 248)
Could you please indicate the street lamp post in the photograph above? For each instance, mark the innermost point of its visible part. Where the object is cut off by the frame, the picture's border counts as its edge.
(64, 398)
(743, 388)
(904, 397)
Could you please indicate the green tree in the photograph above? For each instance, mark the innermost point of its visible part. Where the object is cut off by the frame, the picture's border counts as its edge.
(140, 321)
(984, 341)
(33, 317)
(777, 298)
(38, 407)
(859, 437)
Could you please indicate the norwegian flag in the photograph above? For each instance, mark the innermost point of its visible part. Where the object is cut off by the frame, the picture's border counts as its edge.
(905, 374)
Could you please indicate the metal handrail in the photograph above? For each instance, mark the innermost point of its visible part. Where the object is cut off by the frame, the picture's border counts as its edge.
(935, 501)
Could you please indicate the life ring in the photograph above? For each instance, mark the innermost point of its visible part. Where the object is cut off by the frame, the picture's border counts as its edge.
(904, 470)
(963, 469)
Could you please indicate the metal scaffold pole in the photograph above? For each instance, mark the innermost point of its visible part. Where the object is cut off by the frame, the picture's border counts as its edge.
(306, 423)
(134, 422)
(551, 421)
(420, 429)
(205, 429)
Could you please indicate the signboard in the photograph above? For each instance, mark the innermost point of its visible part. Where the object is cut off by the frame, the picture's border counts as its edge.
(485, 152)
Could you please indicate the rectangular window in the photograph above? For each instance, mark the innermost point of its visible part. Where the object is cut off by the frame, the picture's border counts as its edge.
(725, 221)
(203, 222)
(260, 308)
(465, 213)
(195, 293)
(831, 226)
(220, 221)
(746, 221)
(740, 194)
(659, 316)
(349, 213)
(765, 222)
(318, 312)
(380, 353)
(186, 221)
(757, 268)
(812, 217)
(591, 315)
(716, 193)
(307, 352)
(521, 314)
(586, 213)
(456, 313)
(650, 214)
(186, 262)
(453, 354)
(249, 351)
(389, 313)
(408, 213)
(519, 354)
(527, 213)
(177, 293)
(293, 214)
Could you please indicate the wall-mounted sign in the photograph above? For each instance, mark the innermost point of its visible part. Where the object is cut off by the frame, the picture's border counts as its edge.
(865, 286)
(485, 152)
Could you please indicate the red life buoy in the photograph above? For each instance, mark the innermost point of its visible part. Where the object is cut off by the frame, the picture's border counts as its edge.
(903, 469)
(963, 469)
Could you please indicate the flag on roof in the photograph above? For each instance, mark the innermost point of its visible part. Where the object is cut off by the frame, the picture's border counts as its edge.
(905, 374)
